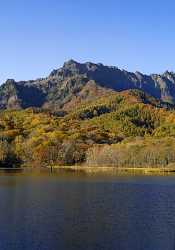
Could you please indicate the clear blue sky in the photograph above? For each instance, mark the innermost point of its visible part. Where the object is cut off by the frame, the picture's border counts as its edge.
(39, 35)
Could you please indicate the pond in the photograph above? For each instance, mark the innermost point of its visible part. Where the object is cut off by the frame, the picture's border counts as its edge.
(71, 212)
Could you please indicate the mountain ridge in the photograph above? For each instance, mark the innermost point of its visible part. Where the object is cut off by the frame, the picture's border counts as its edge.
(76, 82)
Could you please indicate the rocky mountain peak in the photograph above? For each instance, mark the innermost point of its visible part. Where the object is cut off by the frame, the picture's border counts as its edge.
(71, 82)
(10, 81)
(69, 63)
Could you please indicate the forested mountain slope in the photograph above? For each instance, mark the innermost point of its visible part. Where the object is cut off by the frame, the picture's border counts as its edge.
(38, 137)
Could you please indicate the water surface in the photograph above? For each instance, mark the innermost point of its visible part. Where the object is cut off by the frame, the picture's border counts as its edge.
(87, 213)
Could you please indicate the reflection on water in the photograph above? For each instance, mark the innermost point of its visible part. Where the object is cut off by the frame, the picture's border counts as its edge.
(71, 212)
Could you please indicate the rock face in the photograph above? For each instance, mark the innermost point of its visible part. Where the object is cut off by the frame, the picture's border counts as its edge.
(76, 82)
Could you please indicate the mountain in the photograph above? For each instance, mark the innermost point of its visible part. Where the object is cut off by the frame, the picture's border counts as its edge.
(76, 82)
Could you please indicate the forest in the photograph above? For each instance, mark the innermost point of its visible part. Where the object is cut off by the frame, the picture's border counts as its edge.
(128, 128)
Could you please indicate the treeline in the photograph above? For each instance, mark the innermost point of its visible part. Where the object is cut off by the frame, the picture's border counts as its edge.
(136, 153)
(8, 157)
(20, 154)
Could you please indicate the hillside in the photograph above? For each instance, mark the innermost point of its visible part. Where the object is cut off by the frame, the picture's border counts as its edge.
(76, 82)
(95, 128)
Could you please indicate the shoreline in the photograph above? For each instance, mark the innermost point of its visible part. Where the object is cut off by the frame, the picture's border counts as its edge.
(113, 170)
(87, 170)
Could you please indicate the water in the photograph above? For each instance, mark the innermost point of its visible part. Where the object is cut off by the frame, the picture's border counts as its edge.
(81, 213)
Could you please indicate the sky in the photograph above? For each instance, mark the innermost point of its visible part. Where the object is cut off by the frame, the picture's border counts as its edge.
(37, 36)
